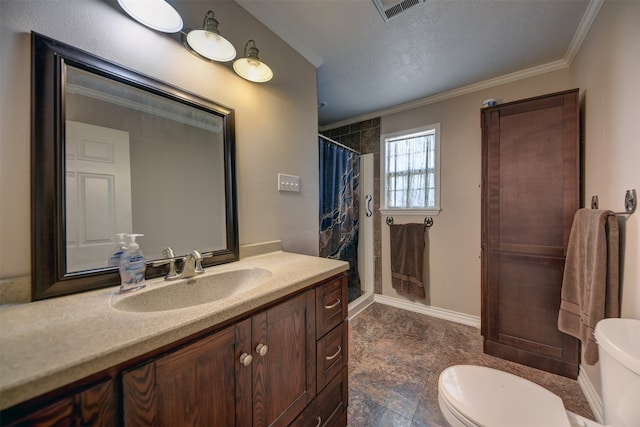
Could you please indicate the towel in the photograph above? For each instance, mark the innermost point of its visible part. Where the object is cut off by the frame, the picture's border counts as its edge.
(407, 258)
(590, 284)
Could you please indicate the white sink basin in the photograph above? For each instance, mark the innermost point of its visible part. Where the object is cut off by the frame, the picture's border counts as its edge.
(193, 291)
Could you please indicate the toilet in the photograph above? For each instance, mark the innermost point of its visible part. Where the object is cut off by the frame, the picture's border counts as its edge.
(471, 395)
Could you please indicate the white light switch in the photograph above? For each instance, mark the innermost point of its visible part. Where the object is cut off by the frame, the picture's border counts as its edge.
(288, 182)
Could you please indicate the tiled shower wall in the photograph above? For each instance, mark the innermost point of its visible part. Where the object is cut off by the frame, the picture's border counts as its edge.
(365, 138)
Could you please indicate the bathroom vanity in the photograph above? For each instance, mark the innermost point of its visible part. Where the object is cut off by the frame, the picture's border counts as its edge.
(273, 354)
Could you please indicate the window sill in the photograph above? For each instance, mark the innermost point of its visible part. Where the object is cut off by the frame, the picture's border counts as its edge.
(410, 212)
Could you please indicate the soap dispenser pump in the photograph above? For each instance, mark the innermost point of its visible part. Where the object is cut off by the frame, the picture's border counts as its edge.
(132, 266)
(121, 246)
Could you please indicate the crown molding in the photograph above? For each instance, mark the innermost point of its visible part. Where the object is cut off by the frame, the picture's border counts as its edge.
(583, 28)
(464, 90)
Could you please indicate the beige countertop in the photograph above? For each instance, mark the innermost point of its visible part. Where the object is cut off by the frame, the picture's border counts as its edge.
(48, 344)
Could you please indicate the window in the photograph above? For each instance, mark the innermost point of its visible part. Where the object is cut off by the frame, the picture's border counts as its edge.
(411, 171)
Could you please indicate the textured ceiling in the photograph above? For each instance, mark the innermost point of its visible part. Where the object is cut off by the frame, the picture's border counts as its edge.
(366, 65)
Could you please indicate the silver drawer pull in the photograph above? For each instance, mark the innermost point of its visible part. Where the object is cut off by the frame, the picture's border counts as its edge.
(335, 304)
(334, 355)
(319, 422)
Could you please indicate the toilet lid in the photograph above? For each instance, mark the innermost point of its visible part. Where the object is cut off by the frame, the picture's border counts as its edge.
(488, 397)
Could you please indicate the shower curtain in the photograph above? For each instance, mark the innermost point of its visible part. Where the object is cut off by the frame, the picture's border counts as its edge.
(339, 208)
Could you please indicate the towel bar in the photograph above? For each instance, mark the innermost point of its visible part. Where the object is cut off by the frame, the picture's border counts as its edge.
(428, 221)
(630, 203)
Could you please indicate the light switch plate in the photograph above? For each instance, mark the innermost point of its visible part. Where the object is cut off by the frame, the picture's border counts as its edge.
(288, 182)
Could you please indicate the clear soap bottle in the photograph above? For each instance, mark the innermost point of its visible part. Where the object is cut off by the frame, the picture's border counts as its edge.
(121, 246)
(132, 266)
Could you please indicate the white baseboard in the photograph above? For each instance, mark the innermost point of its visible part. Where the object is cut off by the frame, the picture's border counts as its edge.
(356, 307)
(454, 316)
(592, 396)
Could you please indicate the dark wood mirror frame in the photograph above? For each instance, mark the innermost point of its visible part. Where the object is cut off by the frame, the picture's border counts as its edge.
(49, 275)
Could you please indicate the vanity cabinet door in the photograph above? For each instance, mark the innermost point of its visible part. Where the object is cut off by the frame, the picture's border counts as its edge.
(284, 365)
(95, 406)
(202, 384)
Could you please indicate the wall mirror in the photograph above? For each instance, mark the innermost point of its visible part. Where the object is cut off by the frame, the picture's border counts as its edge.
(114, 151)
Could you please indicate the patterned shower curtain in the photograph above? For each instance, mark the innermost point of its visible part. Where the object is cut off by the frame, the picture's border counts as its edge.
(339, 208)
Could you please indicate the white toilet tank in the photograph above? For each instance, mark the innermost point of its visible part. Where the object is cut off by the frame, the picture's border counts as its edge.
(619, 350)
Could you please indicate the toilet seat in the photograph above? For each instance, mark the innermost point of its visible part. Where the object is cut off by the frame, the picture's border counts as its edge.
(481, 396)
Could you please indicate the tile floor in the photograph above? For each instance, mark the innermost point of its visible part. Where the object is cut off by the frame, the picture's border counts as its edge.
(396, 357)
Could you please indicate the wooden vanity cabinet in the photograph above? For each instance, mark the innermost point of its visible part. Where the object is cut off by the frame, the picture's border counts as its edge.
(95, 406)
(262, 371)
(332, 331)
(258, 372)
(283, 365)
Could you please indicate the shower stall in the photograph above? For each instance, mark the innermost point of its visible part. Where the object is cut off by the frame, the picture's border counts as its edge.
(346, 216)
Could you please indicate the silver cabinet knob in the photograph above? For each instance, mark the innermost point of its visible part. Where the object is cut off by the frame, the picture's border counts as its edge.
(246, 359)
(262, 349)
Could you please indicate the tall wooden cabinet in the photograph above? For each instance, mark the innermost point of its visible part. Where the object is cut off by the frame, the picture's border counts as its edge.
(530, 192)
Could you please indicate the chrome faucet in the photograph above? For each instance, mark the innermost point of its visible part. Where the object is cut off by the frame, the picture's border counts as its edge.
(192, 265)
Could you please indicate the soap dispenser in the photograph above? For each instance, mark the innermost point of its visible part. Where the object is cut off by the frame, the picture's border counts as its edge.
(132, 266)
(121, 246)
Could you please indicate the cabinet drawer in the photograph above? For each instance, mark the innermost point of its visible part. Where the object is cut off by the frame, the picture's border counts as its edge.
(331, 305)
(332, 354)
(329, 409)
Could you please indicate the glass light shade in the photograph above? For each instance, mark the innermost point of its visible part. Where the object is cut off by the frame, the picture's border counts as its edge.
(211, 45)
(253, 70)
(156, 14)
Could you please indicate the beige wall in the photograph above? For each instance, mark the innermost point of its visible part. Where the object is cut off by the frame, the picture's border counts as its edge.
(276, 122)
(454, 239)
(607, 70)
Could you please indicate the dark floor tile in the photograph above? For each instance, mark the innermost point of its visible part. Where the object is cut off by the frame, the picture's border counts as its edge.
(396, 358)
(363, 412)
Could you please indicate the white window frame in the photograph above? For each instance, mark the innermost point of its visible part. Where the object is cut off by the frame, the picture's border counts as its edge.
(435, 210)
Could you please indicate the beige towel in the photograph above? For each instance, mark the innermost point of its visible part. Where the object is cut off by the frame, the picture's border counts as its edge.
(590, 282)
(407, 258)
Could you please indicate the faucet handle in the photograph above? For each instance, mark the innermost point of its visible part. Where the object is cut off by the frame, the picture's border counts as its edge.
(199, 268)
(169, 258)
(197, 257)
(168, 252)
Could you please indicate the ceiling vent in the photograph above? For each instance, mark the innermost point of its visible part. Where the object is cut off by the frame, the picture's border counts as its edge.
(389, 9)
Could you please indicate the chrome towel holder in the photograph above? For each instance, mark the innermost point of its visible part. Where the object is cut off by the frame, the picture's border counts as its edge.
(630, 203)
(428, 221)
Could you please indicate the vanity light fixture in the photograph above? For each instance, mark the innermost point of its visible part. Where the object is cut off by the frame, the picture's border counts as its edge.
(208, 42)
(250, 67)
(156, 14)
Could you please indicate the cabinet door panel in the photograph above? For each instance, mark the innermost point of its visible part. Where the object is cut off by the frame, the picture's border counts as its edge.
(95, 406)
(284, 377)
(194, 386)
